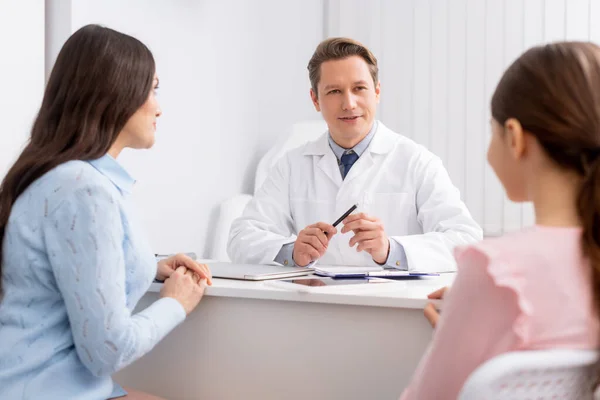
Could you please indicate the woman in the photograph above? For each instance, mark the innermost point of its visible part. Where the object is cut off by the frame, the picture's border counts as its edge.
(74, 262)
(538, 288)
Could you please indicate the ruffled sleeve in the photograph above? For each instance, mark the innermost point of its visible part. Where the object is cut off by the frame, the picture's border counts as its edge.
(504, 275)
(482, 316)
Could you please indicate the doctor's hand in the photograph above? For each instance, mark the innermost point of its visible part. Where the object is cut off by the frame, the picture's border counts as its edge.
(370, 235)
(167, 266)
(430, 311)
(312, 243)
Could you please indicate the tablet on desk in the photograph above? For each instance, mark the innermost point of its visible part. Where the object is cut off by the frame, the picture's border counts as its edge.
(250, 272)
(331, 285)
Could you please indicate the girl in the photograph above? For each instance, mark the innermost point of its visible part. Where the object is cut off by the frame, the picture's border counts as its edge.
(538, 288)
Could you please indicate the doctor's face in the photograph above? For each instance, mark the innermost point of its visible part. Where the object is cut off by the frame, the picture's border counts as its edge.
(347, 98)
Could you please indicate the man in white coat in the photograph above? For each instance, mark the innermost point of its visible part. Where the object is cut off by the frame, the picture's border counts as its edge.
(409, 214)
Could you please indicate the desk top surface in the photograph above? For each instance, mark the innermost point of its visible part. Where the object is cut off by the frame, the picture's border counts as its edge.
(400, 294)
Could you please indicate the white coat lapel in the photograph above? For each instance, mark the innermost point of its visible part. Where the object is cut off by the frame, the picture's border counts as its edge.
(327, 163)
(362, 165)
(383, 142)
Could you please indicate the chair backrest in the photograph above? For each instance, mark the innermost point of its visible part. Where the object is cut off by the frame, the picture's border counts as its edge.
(300, 133)
(233, 207)
(535, 374)
(229, 210)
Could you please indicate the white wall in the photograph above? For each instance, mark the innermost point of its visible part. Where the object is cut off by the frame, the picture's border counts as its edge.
(58, 27)
(233, 79)
(440, 61)
(21, 73)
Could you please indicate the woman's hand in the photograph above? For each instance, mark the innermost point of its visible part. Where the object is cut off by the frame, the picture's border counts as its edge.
(167, 266)
(185, 286)
(430, 312)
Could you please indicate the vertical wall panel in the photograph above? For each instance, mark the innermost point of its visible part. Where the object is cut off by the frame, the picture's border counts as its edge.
(577, 19)
(396, 66)
(440, 129)
(422, 67)
(513, 47)
(554, 20)
(594, 21)
(475, 108)
(457, 50)
(494, 67)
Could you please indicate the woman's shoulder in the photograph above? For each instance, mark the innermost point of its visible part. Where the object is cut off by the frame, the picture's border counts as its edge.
(69, 181)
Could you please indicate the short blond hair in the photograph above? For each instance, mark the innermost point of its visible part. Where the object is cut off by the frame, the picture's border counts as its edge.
(335, 49)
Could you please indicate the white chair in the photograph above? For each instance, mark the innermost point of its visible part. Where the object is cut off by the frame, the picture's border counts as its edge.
(533, 375)
(299, 134)
(233, 207)
(229, 210)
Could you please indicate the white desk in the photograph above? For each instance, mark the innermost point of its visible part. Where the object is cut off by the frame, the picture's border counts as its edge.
(249, 341)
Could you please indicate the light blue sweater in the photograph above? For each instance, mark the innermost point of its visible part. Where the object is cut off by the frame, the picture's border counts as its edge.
(75, 264)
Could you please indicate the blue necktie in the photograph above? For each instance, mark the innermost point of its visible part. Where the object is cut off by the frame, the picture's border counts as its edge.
(348, 159)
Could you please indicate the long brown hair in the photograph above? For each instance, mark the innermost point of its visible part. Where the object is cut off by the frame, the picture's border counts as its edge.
(100, 79)
(554, 92)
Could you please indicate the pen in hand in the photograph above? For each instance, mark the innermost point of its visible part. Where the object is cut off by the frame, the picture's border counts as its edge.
(312, 241)
(343, 217)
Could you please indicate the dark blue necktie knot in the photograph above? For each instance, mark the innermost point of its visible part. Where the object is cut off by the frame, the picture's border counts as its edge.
(348, 159)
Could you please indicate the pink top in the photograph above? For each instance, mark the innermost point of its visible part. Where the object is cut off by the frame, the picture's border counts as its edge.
(527, 290)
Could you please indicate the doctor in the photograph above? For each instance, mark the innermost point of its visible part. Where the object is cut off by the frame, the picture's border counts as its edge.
(409, 214)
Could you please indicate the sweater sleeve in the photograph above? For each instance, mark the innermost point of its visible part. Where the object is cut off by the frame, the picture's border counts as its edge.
(84, 237)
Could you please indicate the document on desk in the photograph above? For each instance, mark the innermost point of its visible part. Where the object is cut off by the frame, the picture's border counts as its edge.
(373, 271)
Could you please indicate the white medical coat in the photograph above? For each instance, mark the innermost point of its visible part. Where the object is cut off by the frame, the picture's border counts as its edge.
(395, 179)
